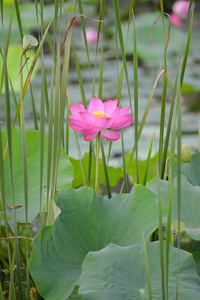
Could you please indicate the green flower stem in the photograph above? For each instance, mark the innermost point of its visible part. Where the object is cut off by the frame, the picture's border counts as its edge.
(21, 86)
(97, 163)
(190, 246)
(199, 134)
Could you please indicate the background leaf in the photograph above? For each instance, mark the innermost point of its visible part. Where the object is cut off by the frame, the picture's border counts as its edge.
(65, 173)
(141, 165)
(150, 48)
(114, 174)
(13, 58)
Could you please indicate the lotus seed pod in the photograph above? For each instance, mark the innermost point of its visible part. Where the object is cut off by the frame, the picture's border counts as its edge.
(29, 42)
(185, 153)
(174, 226)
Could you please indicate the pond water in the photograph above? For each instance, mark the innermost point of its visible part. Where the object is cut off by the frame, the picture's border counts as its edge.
(150, 53)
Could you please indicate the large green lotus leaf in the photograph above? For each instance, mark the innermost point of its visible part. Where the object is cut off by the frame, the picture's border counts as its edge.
(114, 174)
(116, 273)
(13, 58)
(192, 169)
(88, 223)
(64, 178)
(190, 204)
(194, 249)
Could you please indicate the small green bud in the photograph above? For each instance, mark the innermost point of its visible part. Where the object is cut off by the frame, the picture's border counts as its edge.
(185, 153)
(29, 42)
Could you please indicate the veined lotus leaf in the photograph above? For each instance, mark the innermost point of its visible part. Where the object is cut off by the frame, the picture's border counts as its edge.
(116, 273)
(88, 222)
(190, 204)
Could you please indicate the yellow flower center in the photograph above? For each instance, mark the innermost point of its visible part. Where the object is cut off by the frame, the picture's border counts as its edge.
(99, 114)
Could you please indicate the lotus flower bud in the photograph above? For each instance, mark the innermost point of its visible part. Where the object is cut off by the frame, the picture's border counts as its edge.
(185, 153)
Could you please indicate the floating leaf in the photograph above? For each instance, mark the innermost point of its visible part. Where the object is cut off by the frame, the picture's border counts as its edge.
(64, 179)
(150, 48)
(116, 273)
(28, 15)
(88, 223)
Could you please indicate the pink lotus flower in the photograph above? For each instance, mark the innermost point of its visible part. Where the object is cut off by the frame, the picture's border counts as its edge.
(180, 8)
(176, 21)
(100, 117)
(92, 34)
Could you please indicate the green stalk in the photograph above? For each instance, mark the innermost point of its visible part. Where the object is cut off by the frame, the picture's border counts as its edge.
(82, 165)
(160, 232)
(96, 187)
(123, 50)
(42, 130)
(1, 292)
(101, 17)
(170, 195)
(174, 94)
(190, 246)
(124, 164)
(2, 182)
(19, 19)
(147, 163)
(2, 195)
(199, 134)
(7, 43)
(30, 72)
(25, 173)
(162, 121)
(135, 67)
(50, 137)
(105, 171)
(9, 145)
(80, 81)
(179, 132)
(67, 129)
(11, 291)
(100, 94)
(164, 91)
(55, 147)
(84, 33)
(33, 109)
(146, 264)
(143, 120)
(91, 155)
